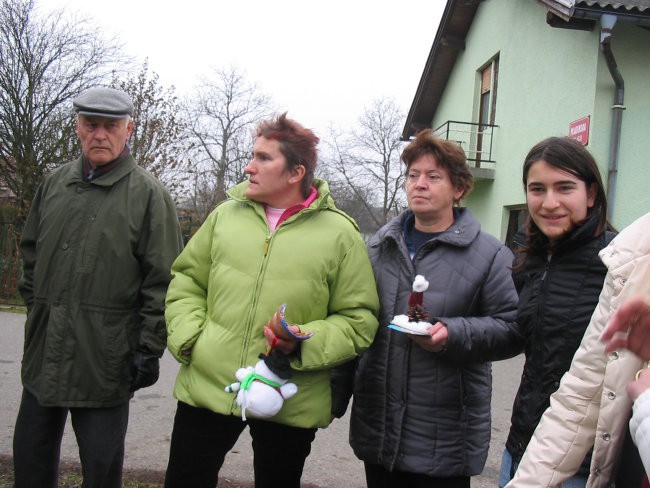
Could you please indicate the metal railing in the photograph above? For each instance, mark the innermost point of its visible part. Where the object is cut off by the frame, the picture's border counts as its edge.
(475, 139)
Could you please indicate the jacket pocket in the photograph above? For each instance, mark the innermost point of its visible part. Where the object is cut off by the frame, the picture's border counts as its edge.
(182, 335)
(35, 339)
(106, 338)
(36, 323)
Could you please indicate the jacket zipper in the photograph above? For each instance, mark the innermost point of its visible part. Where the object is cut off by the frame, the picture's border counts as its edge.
(256, 293)
(542, 293)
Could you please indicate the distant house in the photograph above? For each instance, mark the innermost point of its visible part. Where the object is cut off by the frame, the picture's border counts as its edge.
(7, 197)
(505, 74)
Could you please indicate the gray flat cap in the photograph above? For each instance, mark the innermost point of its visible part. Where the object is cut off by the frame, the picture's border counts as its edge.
(104, 102)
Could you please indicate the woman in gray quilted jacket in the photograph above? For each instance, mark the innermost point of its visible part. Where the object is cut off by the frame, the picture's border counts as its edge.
(421, 411)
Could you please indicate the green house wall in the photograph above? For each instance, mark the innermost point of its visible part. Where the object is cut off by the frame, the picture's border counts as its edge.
(547, 78)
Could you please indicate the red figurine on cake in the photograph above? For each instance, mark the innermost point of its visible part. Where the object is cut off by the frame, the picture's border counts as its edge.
(415, 320)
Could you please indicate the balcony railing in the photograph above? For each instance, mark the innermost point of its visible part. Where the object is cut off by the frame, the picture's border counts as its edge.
(476, 141)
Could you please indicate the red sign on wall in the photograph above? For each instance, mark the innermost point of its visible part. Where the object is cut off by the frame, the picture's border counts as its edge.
(579, 130)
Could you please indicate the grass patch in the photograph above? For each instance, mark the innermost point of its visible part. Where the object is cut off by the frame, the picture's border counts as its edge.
(4, 307)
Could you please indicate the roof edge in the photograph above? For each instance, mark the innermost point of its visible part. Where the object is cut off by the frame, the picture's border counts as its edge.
(445, 39)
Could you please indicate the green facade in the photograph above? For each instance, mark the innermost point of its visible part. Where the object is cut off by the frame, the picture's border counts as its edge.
(547, 78)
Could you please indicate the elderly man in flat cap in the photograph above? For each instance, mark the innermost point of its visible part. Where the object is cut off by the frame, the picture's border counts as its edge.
(97, 248)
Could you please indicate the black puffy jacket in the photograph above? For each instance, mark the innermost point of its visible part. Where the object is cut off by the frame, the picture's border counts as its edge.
(557, 296)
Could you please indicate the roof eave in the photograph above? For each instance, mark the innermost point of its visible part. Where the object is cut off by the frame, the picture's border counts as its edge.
(449, 41)
(572, 10)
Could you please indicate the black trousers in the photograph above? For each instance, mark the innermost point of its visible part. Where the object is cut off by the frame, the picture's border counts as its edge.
(201, 439)
(100, 434)
(379, 477)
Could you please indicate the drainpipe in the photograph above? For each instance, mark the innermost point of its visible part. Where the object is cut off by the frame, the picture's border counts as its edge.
(607, 22)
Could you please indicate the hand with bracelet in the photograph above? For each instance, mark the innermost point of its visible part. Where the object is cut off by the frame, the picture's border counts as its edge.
(286, 346)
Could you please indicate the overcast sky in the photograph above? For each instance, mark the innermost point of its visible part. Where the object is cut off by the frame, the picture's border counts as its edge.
(322, 61)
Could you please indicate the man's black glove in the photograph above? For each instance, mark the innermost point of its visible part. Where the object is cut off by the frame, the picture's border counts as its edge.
(145, 369)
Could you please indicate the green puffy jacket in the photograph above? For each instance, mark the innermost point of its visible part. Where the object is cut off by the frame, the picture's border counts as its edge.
(234, 274)
(96, 265)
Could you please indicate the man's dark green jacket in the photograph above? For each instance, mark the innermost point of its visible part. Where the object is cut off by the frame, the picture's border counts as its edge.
(96, 265)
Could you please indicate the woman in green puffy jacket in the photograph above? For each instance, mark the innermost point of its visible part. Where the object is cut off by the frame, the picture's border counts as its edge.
(278, 239)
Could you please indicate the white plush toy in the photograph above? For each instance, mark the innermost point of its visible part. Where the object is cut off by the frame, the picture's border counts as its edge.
(260, 391)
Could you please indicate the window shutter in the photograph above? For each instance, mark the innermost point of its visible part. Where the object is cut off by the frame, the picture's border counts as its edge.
(486, 79)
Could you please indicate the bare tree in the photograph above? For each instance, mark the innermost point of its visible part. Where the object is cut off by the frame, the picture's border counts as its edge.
(44, 63)
(367, 162)
(351, 202)
(222, 116)
(204, 195)
(159, 140)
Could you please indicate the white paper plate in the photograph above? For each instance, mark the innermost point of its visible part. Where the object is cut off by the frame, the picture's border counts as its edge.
(406, 330)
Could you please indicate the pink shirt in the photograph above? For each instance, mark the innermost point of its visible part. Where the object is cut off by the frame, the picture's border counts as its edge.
(284, 214)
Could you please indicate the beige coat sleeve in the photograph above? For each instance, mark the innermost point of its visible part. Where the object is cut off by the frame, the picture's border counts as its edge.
(640, 421)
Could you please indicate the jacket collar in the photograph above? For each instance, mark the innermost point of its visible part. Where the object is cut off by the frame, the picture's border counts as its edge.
(238, 192)
(460, 234)
(578, 236)
(294, 209)
(323, 201)
(630, 245)
(108, 179)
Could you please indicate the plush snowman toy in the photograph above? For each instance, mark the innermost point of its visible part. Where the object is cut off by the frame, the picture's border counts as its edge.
(260, 392)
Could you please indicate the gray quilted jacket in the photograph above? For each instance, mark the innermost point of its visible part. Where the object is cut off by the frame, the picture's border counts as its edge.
(424, 412)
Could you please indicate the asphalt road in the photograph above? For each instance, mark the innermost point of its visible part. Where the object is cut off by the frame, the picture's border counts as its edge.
(331, 463)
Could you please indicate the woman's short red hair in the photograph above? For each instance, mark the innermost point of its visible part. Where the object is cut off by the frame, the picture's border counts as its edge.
(297, 144)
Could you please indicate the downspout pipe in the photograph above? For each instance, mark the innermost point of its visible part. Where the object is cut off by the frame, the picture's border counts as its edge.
(607, 22)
